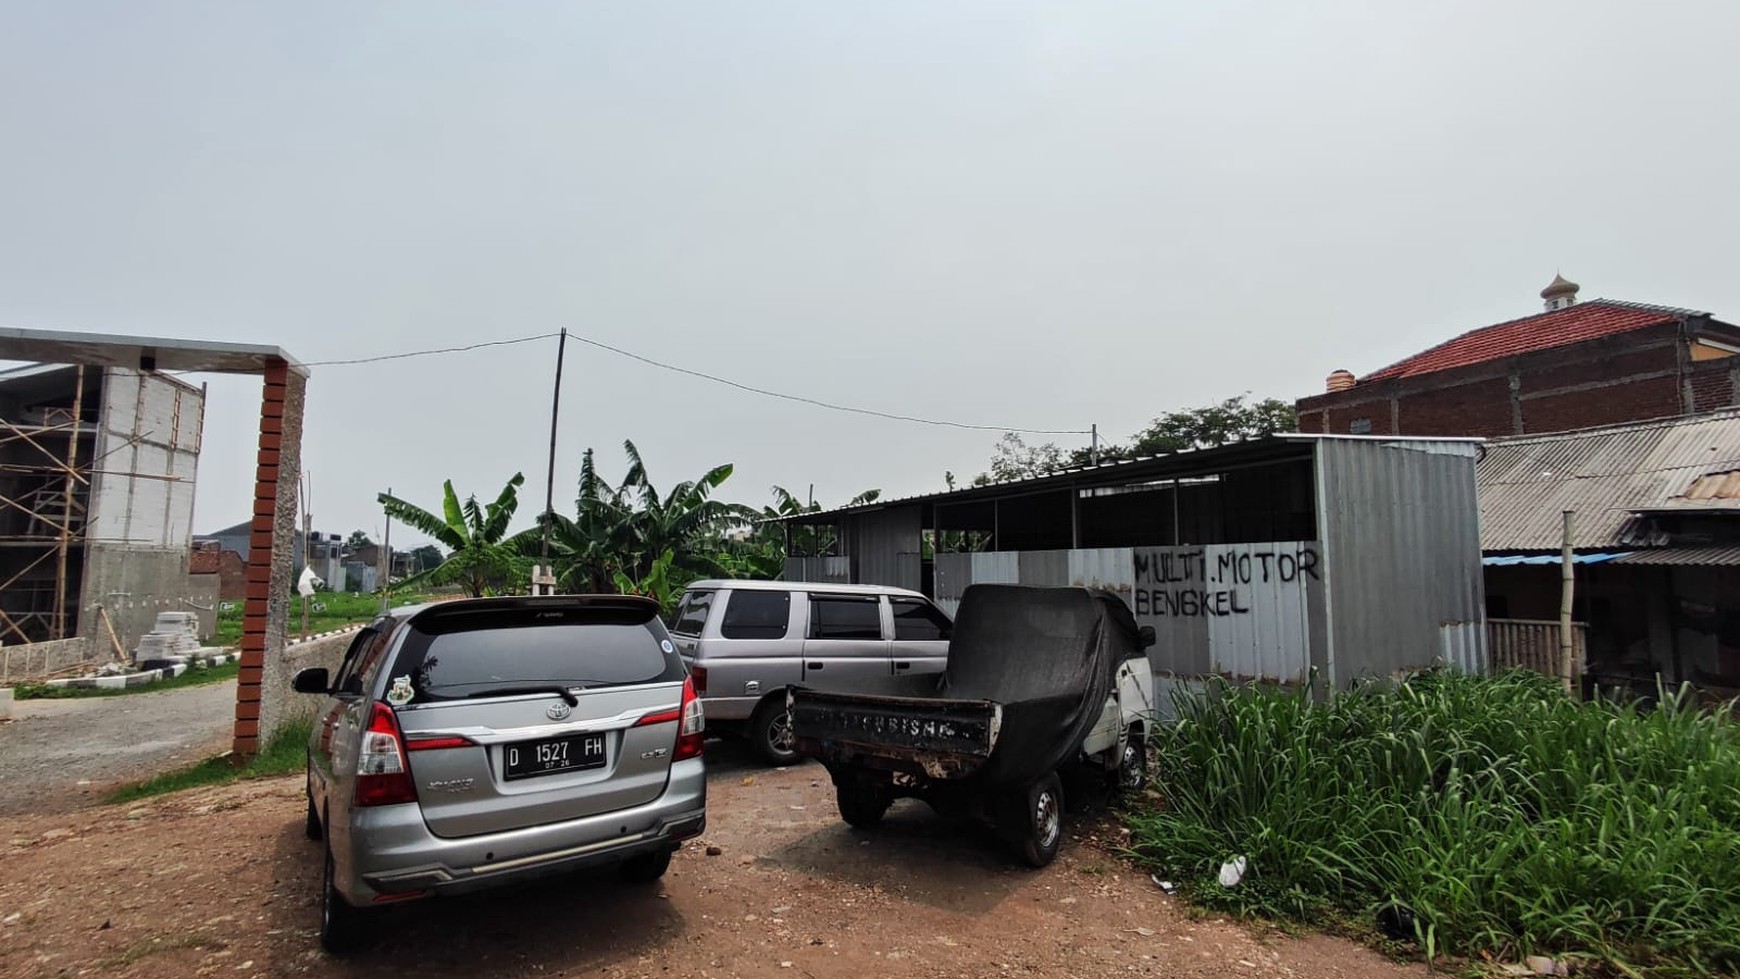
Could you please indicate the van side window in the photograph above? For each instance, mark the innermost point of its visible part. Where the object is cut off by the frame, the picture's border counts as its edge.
(919, 621)
(756, 615)
(347, 669)
(364, 656)
(691, 616)
(845, 617)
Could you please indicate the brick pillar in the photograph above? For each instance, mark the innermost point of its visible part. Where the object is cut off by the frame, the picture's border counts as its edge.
(270, 555)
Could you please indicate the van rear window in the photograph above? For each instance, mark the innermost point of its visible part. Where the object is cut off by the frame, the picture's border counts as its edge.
(530, 651)
(691, 616)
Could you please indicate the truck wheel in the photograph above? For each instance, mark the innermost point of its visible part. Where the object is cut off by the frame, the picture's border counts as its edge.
(771, 734)
(862, 806)
(1133, 765)
(1041, 826)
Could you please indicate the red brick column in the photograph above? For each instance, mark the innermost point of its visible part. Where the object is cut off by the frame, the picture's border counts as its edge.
(266, 608)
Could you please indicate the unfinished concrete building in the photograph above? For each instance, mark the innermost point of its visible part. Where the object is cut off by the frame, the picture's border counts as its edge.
(97, 468)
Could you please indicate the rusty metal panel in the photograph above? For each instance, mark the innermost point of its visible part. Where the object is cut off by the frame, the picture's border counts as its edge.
(1603, 474)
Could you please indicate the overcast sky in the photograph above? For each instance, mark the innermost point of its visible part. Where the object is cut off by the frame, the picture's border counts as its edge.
(1008, 214)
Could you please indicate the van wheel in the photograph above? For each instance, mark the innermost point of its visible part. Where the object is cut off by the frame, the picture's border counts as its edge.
(1133, 765)
(771, 733)
(862, 806)
(342, 927)
(645, 868)
(1040, 825)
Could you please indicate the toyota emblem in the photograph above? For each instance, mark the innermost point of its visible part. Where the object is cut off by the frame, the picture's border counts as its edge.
(558, 711)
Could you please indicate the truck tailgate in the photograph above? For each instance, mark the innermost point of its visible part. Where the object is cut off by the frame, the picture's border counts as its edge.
(943, 739)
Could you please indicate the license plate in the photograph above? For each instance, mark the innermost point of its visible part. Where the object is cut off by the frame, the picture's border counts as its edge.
(548, 756)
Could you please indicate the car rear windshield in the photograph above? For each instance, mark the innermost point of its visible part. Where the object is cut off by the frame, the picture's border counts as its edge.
(502, 652)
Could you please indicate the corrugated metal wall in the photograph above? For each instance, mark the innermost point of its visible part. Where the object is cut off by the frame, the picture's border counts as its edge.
(835, 570)
(884, 547)
(1400, 525)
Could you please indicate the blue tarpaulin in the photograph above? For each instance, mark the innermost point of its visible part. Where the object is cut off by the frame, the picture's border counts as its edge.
(1510, 560)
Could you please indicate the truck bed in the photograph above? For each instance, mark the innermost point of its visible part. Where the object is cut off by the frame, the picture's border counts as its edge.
(935, 737)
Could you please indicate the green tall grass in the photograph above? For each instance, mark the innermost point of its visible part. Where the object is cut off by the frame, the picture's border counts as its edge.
(1503, 816)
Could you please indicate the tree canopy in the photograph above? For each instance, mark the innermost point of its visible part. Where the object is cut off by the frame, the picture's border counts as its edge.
(1236, 419)
(483, 559)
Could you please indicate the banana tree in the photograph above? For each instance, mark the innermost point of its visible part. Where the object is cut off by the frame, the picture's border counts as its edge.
(482, 557)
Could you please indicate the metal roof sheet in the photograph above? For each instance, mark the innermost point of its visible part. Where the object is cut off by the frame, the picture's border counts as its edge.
(1510, 560)
(1713, 555)
(1604, 474)
(1174, 465)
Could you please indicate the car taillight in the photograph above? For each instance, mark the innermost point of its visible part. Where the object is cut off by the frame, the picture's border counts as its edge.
(691, 734)
(437, 742)
(382, 776)
(699, 675)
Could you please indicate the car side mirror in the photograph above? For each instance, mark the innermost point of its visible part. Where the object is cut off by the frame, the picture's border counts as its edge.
(1146, 635)
(315, 679)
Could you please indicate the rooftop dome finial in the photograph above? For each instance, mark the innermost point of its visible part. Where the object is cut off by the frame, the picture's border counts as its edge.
(1559, 293)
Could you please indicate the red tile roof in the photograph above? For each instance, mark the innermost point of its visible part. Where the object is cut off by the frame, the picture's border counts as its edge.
(1585, 321)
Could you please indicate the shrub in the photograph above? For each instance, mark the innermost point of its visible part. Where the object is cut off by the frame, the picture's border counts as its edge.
(1494, 814)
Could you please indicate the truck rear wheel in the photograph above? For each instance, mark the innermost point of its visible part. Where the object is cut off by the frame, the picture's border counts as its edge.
(862, 806)
(1040, 825)
(1133, 763)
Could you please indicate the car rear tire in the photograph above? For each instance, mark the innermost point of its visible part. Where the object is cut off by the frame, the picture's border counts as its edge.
(645, 868)
(862, 806)
(342, 927)
(1040, 824)
(771, 733)
(311, 827)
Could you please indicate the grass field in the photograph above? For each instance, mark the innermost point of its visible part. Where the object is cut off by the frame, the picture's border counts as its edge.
(1474, 816)
(326, 611)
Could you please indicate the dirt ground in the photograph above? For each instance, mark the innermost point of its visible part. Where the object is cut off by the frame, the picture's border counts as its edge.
(220, 882)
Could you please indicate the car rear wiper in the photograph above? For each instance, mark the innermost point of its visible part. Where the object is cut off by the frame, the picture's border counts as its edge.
(557, 689)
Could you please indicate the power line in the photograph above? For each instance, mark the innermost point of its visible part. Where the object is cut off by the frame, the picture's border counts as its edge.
(823, 404)
(750, 388)
(426, 353)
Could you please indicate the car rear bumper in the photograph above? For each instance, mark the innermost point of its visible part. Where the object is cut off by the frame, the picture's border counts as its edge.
(390, 853)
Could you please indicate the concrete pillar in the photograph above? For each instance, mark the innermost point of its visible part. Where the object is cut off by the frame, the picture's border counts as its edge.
(266, 612)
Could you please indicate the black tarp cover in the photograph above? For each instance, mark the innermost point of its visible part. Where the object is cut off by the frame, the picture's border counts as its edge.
(1050, 657)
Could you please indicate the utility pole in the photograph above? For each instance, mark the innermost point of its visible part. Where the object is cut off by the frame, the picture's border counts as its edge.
(543, 578)
(386, 556)
(66, 516)
(1094, 450)
(1567, 592)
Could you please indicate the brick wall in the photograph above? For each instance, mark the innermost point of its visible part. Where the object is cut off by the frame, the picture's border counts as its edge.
(1630, 377)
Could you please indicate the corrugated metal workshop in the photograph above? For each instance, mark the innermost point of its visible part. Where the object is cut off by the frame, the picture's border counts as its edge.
(1351, 556)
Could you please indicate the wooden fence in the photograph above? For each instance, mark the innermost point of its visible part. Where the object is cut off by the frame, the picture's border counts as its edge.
(1534, 645)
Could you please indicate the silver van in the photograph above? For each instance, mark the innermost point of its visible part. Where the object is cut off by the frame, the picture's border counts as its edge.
(744, 641)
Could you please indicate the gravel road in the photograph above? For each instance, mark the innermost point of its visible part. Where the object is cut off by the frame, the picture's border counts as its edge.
(58, 755)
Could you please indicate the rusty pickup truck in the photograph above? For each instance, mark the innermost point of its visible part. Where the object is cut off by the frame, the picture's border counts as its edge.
(1039, 681)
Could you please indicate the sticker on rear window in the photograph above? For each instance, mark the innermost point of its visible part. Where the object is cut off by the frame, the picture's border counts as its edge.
(400, 693)
(665, 644)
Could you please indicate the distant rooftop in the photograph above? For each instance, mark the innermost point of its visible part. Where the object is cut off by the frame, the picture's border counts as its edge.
(1557, 328)
(1607, 475)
